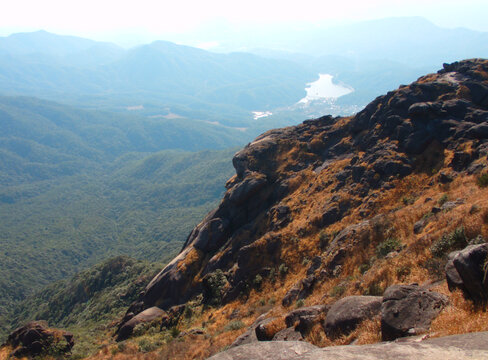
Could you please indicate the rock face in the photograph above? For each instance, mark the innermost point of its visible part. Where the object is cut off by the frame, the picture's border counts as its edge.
(250, 335)
(148, 315)
(240, 239)
(465, 270)
(471, 346)
(344, 316)
(409, 310)
(35, 338)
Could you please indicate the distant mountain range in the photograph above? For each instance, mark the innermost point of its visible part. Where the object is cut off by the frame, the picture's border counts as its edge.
(372, 57)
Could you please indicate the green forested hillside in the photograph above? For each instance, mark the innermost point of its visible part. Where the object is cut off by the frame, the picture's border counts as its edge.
(42, 140)
(77, 187)
(87, 303)
(144, 208)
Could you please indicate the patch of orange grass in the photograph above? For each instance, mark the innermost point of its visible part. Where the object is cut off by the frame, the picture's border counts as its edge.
(274, 326)
(459, 317)
(367, 332)
(5, 351)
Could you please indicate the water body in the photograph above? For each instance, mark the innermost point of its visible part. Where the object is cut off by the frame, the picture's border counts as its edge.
(324, 88)
(261, 114)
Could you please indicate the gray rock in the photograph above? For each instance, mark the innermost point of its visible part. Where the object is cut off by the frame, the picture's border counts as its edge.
(250, 335)
(247, 188)
(469, 264)
(148, 315)
(266, 350)
(419, 225)
(291, 296)
(346, 314)
(453, 278)
(473, 346)
(449, 205)
(409, 310)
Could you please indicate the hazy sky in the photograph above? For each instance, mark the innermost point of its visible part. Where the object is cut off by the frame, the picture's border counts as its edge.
(104, 19)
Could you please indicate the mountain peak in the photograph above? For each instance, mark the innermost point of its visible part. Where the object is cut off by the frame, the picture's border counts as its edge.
(311, 204)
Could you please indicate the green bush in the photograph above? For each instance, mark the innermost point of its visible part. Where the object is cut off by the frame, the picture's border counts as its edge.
(324, 239)
(299, 303)
(283, 269)
(363, 268)
(147, 345)
(455, 240)
(174, 331)
(374, 289)
(215, 283)
(482, 180)
(258, 280)
(337, 290)
(443, 199)
(387, 246)
(234, 325)
(408, 200)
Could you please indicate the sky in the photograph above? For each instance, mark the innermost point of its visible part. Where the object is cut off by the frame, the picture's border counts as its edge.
(142, 20)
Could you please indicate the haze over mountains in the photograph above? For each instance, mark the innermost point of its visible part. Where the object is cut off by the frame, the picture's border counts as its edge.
(371, 57)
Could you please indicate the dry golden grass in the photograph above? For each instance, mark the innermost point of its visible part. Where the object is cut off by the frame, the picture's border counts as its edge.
(367, 332)
(459, 317)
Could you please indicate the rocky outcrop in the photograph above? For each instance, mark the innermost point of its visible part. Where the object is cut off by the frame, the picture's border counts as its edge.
(408, 310)
(35, 338)
(404, 131)
(346, 314)
(147, 316)
(466, 270)
(473, 346)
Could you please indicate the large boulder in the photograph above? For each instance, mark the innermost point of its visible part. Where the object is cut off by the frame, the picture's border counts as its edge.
(466, 346)
(346, 314)
(147, 316)
(465, 270)
(35, 338)
(454, 280)
(276, 350)
(409, 310)
(250, 335)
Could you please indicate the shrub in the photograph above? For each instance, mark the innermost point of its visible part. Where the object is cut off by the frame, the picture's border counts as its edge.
(324, 239)
(455, 240)
(387, 246)
(408, 200)
(146, 345)
(188, 312)
(482, 180)
(363, 268)
(283, 269)
(337, 290)
(443, 199)
(174, 331)
(436, 268)
(299, 303)
(402, 271)
(215, 284)
(374, 289)
(234, 325)
(258, 280)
